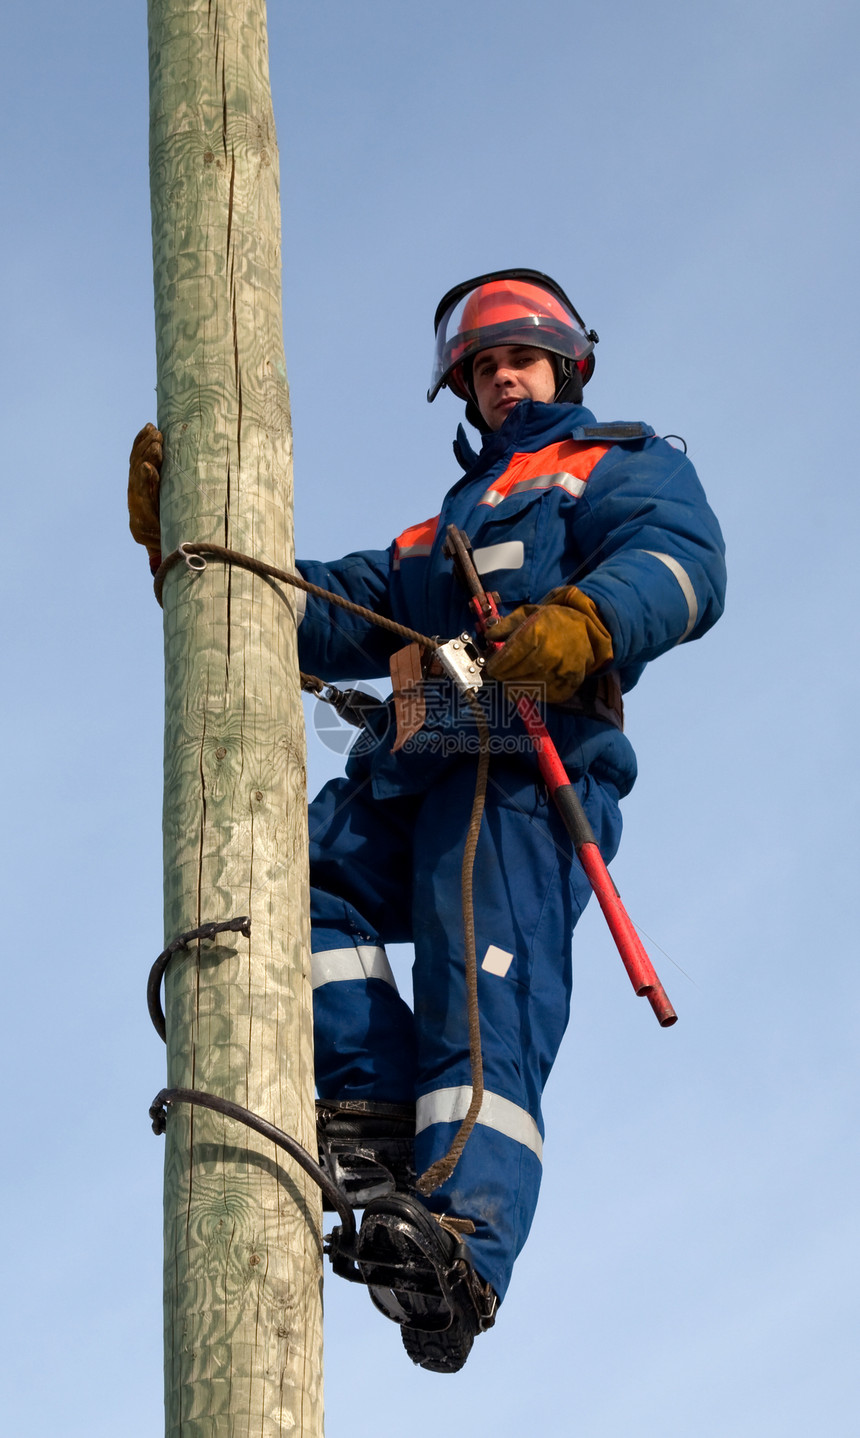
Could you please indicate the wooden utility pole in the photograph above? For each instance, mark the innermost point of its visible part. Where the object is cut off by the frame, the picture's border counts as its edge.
(242, 1293)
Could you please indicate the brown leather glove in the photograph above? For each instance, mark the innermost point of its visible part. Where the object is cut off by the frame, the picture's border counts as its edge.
(144, 477)
(555, 644)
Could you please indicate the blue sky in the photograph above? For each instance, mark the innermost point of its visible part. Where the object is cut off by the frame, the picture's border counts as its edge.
(688, 173)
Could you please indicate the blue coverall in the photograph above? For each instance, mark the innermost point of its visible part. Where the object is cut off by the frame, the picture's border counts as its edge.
(553, 498)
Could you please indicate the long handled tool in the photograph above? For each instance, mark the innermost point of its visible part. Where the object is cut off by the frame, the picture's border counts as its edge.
(636, 961)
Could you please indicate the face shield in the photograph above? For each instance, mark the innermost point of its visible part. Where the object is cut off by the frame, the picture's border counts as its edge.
(510, 307)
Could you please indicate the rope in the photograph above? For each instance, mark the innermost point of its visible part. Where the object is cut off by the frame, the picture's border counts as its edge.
(440, 1171)
(187, 552)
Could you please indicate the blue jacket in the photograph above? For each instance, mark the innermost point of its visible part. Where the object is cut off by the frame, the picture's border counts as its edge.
(553, 498)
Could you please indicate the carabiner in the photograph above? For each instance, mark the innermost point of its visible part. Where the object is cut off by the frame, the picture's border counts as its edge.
(195, 562)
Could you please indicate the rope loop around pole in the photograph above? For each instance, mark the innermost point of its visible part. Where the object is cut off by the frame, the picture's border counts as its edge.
(192, 549)
(189, 551)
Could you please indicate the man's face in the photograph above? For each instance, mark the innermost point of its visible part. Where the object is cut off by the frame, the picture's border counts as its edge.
(501, 377)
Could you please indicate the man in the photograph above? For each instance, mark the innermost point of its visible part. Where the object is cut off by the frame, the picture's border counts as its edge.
(604, 554)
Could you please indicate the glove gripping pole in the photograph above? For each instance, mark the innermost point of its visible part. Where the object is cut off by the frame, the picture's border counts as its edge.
(639, 968)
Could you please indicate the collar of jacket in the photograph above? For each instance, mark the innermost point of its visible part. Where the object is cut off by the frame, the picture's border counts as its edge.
(528, 427)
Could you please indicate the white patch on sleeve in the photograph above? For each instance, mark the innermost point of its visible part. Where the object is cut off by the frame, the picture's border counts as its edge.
(509, 555)
(497, 961)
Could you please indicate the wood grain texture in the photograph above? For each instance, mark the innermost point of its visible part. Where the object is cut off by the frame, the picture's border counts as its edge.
(243, 1338)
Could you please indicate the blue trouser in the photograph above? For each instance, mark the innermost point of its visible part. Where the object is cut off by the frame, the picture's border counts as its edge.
(388, 871)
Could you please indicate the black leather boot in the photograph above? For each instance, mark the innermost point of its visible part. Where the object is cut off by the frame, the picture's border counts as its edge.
(420, 1275)
(365, 1147)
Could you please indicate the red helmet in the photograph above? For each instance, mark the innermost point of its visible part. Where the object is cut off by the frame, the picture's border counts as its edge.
(507, 307)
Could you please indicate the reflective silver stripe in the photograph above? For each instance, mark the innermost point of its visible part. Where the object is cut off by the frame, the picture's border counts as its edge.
(449, 1105)
(364, 961)
(541, 481)
(411, 551)
(685, 582)
(499, 556)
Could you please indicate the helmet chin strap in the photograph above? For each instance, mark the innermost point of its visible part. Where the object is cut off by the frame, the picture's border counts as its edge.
(569, 382)
(474, 416)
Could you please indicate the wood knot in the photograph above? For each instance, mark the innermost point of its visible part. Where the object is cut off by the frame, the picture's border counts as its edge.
(220, 752)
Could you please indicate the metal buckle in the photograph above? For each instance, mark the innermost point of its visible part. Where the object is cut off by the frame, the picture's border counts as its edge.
(461, 662)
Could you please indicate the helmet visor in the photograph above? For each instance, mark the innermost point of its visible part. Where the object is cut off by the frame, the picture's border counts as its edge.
(504, 312)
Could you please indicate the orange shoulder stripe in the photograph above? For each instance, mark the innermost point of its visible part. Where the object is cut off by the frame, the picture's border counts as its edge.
(415, 541)
(565, 465)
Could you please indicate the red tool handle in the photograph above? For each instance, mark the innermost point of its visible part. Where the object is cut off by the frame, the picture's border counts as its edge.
(637, 963)
(639, 968)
